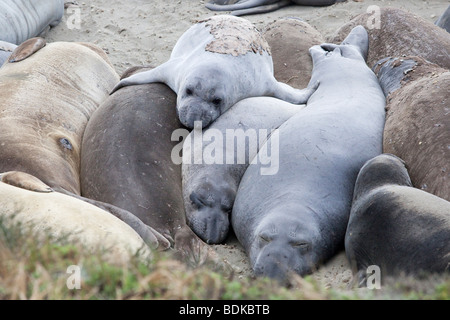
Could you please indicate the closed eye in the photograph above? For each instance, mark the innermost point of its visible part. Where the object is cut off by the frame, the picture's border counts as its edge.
(301, 245)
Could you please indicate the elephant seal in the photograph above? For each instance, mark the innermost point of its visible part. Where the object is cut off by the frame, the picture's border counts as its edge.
(399, 228)
(6, 49)
(395, 33)
(216, 63)
(245, 7)
(47, 100)
(210, 185)
(126, 160)
(289, 40)
(295, 220)
(444, 20)
(417, 120)
(65, 218)
(21, 20)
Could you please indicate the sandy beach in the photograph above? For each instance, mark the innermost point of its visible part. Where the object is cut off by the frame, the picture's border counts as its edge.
(143, 32)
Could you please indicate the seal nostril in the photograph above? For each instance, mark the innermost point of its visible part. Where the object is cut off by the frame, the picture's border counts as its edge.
(66, 143)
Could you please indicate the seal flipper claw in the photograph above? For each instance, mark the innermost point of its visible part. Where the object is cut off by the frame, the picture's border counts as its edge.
(27, 49)
(25, 181)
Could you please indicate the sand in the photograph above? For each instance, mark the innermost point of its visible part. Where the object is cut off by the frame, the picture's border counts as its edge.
(143, 32)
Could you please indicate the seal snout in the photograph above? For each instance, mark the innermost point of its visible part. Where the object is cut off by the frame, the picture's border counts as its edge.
(197, 111)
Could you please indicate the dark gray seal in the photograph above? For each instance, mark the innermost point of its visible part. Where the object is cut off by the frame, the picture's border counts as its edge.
(21, 20)
(6, 49)
(296, 219)
(400, 229)
(417, 120)
(444, 20)
(126, 160)
(246, 7)
(216, 63)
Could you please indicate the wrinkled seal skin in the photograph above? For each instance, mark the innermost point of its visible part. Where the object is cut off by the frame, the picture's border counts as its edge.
(417, 120)
(399, 228)
(126, 161)
(6, 49)
(209, 189)
(401, 34)
(216, 63)
(289, 40)
(444, 20)
(24, 19)
(246, 7)
(47, 100)
(295, 220)
(65, 218)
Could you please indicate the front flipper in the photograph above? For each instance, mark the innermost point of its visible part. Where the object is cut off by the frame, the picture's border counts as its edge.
(157, 74)
(150, 236)
(27, 49)
(25, 181)
(287, 93)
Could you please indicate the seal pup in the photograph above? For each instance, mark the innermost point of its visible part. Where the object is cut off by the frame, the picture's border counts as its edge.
(216, 63)
(399, 228)
(21, 20)
(396, 33)
(126, 161)
(246, 7)
(417, 120)
(295, 220)
(211, 178)
(47, 100)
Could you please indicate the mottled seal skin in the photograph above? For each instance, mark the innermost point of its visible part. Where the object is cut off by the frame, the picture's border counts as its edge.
(209, 189)
(24, 19)
(6, 49)
(417, 121)
(126, 160)
(296, 219)
(216, 63)
(289, 40)
(399, 228)
(63, 217)
(47, 100)
(246, 7)
(399, 34)
(444, 20)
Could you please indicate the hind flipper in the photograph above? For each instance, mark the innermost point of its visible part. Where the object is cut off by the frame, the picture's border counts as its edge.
(261, 9)
(239, 5)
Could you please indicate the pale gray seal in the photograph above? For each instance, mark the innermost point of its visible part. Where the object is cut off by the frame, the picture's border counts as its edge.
(417, 120)
(6, 49)
(21, 20)
(211, 178)
(394, 226)
(245, 7)
(296, 219)
(216, 63)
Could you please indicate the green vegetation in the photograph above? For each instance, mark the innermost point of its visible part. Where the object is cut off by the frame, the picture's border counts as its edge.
(31, 269)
